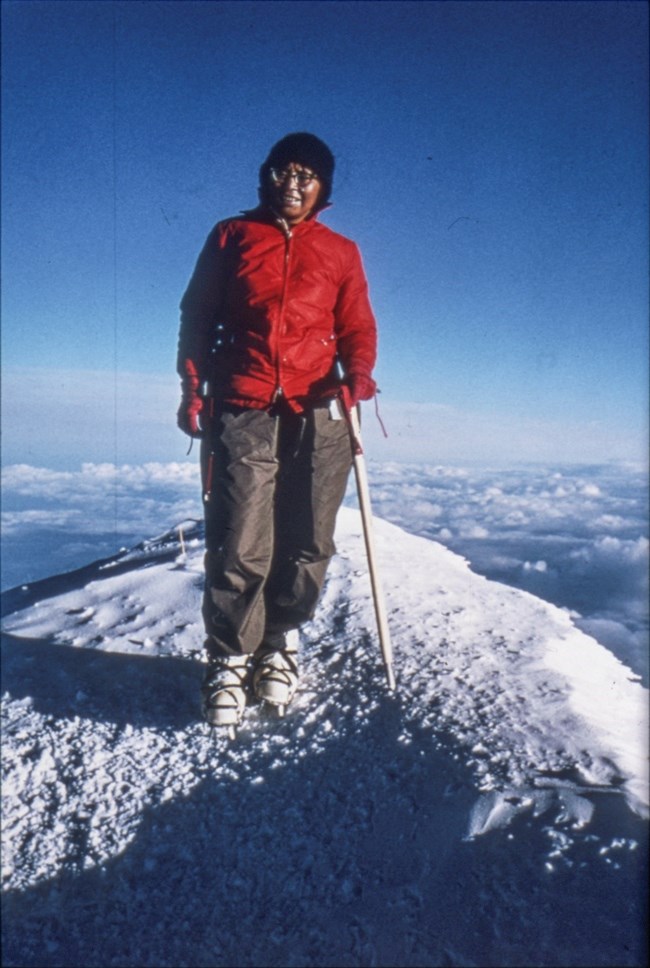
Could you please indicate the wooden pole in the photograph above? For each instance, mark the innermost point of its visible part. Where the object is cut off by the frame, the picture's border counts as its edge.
(366, 518)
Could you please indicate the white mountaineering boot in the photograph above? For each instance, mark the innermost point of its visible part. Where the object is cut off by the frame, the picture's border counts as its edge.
(224, 690)
(275, 674)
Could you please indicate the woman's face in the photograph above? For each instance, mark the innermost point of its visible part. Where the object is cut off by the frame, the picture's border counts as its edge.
(294, 191)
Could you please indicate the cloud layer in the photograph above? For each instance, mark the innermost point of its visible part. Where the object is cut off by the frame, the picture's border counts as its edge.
(574, 536)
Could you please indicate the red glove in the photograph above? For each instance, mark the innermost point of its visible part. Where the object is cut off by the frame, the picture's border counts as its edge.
(192, 403)
(359, 386)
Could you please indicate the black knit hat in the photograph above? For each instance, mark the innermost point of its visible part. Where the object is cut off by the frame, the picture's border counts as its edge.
(303, 149)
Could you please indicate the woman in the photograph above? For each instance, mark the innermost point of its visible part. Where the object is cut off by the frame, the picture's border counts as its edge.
(275, 324)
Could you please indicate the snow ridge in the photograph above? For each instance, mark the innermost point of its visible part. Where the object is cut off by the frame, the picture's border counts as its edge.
(101, 686)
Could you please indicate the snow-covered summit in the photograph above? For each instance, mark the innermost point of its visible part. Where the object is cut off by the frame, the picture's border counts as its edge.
(514, 705)
(534, 704)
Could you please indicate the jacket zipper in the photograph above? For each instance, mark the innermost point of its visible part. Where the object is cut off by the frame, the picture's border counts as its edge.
(286, 231)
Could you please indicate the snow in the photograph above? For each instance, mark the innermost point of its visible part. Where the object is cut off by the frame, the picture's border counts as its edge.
(440, 824)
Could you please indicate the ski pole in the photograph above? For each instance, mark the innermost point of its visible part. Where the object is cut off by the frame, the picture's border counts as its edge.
(363, 491)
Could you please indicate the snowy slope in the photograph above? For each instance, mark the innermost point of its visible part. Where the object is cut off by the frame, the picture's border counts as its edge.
(504, 713)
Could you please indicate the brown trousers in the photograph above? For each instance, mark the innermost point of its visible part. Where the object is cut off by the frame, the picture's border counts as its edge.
(273, 484)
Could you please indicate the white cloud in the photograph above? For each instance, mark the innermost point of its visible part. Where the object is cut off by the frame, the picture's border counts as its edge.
(591, 490)
(14, 522)
(471, 529)
(126, 499)
(609, 522)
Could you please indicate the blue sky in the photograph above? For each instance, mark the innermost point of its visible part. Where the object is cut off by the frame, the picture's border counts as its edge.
(491, 164)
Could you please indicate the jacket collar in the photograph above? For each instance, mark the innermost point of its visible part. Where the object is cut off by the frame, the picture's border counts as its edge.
(264, 213)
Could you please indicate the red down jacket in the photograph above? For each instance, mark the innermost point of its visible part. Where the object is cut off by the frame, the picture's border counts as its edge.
(269, 312)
